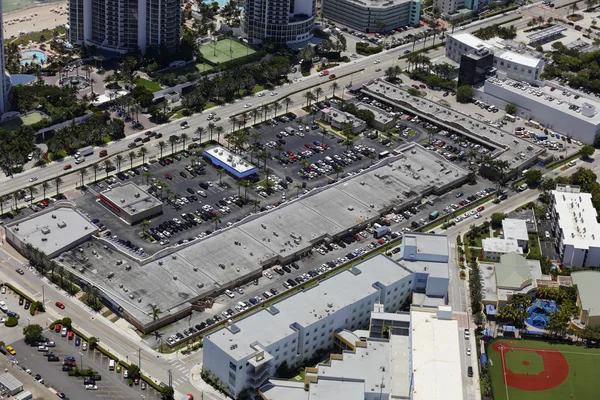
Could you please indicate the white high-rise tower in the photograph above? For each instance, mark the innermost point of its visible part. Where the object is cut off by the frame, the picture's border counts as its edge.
(4, 78)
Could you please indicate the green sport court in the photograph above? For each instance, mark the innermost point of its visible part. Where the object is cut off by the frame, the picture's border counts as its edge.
(224, 50)
(537, 370)
(30, 118)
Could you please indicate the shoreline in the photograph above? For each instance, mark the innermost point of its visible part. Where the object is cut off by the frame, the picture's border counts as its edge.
(32, 6)
(45, 19)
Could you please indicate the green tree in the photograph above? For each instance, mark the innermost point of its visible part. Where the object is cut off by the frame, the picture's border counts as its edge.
(587, 152)
(510, 109)
(533, 177)
(32, 333)
(496, 220)
(464, 94)
(134, 371)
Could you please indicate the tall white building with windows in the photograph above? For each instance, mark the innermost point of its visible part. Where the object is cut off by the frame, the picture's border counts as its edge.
(576, 230)
(4, 76)
(125, 25)
(278, 21)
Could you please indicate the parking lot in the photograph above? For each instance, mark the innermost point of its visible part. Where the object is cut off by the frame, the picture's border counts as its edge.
(111, 386)
(20, 306)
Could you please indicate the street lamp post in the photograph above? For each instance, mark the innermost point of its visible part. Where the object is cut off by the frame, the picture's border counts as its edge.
(81, 358)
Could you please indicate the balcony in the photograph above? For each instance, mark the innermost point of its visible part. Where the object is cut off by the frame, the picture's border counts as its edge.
(258, 379)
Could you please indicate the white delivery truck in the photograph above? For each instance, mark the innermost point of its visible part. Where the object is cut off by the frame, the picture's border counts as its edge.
(85, 151)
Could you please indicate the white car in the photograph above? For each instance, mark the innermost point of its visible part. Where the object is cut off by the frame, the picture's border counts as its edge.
(268, 275)
(33, 179)
(229, 293)
(247, 105)
(468, 351)
(547, 234)
(84, 346)
(261, 94)
(91, 387)
(274, 93)
(377, 61)
(239, 290)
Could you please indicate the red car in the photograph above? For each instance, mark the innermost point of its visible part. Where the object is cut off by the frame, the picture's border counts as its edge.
(332, 76)
(480, 209)
(136, 380)
(71, 335)
(356, 237)
(308, 146)
(60, 305)
(381, 241)
(103, 153)
(57, 328)
(169, 176)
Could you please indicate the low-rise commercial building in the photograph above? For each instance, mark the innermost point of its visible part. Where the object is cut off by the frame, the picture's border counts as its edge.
(232, 163)
(51, 231)
(373, 15)
(575, 228)
(382, 120)
(494, 248)
(588, 299)
(131, 203)
(338, 119)
(516, 229)
(9, 385)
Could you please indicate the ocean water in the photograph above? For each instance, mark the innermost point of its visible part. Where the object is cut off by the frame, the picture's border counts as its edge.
(15, 5)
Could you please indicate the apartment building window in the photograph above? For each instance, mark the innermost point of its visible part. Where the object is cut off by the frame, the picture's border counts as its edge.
(232, 366)
(276, 357)
(314, 338)
(322, 342)
(277, 350)
(314, 346)
(322, 334)
(353, 318)
(315, 330)
(285, 353)
(396, 289)
(330, 330)
(306, 343)
(293, 341)
(360, 315)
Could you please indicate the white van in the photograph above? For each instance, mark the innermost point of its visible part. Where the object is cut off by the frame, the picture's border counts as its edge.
(63, 333)
(28, 197)
(111, 365)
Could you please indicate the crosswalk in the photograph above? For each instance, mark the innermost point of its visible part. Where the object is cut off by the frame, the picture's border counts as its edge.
(183, 375)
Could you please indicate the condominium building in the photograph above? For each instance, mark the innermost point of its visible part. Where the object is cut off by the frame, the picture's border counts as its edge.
(453, 9)
(575, 228)
(373, 15)
(4, 77)
(124, 26)
(278, 21)
(248, 352)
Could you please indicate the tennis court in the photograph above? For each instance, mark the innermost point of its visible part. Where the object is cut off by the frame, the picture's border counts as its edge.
(224, 50)
(537, 370)
(30, 118)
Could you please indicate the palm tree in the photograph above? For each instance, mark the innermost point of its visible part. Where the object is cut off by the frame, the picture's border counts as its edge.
(161, 146)
(338, 169)
(16, 199)
(267, 108)
(95, 167)
(82, 173)
(173, 142)
(211, 127)
(276, 107)
(143, 152)
(219, 129)
(297, 186)
(155, 312)
(288, 102)
(246, 184)
(32, 190)
(3, 200)
(45, 186)
(318, 92)
(255, 204)
(107, 165)
(119, 159)
(148, 175)
(57, 182)
(334, 86)
(255, 114)
(216, 219)
(131, 155)
(220, 172)
(184, 137)
(200, 131)
(145, 225)
(308, 96)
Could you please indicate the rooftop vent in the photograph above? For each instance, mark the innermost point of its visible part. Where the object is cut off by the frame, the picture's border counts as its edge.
(61, 224)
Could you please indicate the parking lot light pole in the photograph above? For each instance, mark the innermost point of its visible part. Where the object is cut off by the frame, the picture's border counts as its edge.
(81, 354)
(140, 358)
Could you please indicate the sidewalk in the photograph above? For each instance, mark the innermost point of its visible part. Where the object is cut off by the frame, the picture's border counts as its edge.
(206, 392)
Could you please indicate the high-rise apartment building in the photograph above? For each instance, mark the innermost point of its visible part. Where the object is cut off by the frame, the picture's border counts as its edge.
(280, 21)
(125, 25)
(4, 78)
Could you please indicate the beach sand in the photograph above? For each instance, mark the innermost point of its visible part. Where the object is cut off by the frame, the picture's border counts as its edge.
(45, 19)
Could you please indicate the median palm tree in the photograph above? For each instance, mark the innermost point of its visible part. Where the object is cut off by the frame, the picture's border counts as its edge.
(119, 158)
(288, 102)
(318, 92)
(57, 182)
(334, 86)
(16, 199)
(143, 152)
(131, 155)
(107, 166)
(255, 114)
(45, 186)
(172, 142)
(3, 200)
(200, 131)
(297, 186)
(308, 96)
(211, 127)
(219, 129)
(184, 137)
(82, 173)
(276, 107)
(267, 109)
(161, 146)
(95, 167)
(32, 190)
(216, 219)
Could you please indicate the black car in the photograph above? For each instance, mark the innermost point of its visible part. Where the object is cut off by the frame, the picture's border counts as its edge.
(27, 304)
(145, 140)
(21, 301)
(54, 359)
(96, 377)
(89, 381)
(66, 367)
(190, 190)
(158, 135)
(274, 292)
(286, 269)
(132, 145)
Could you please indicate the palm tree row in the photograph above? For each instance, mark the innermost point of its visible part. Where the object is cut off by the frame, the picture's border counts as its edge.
(44, 265)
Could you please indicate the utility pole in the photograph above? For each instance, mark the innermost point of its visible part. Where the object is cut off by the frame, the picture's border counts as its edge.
(43, 298)
(140, 358)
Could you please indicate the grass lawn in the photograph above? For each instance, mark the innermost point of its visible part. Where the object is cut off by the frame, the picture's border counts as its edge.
(29, 119)
(226, 50)
(534, 245)
(38, 37)
(573, 376)
(153, 86)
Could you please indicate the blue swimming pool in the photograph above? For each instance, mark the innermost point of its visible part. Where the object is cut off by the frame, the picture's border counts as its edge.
(27, 57)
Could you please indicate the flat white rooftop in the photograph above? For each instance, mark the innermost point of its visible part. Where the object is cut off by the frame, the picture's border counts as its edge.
(230, 159)
(520, 59)
(131, 198)
(577, 219)
(471, 40)
(499, 245)
(515, 229)
(435, 357)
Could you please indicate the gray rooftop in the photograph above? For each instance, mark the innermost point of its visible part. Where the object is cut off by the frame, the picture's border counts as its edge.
(513, 272)
(306, 307)
(380, 115)
(10, 382)
(515, 229)
(588, 283)
(342, 117)
(427, 243)
(131, 198)
(53, 230)
(499, 245)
